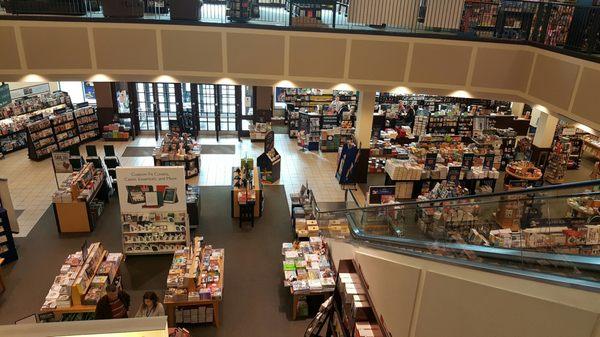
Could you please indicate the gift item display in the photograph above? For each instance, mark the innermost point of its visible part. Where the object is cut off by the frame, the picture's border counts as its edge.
(591, 145)
(430, 161)
(116, 132)
(78, 201)
(258, 131)
(305, 223)
(354, 310)
(522, 171)
(307, 272)
(195, 284)
(60, 131)
(443, 220)
(15, 116)
(177, 150)
(246, 189)
(558, 161)
(82, 280)
(154, 232)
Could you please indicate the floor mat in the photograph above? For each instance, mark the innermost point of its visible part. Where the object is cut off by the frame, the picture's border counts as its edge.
(252, 265)
(280, 129)
(18, 212)
(217, 149)
(138, 151)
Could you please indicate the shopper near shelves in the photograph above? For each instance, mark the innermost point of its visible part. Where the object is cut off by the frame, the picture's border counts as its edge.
(336, 105)
(410, 116)
(115, 304)
(150, 307)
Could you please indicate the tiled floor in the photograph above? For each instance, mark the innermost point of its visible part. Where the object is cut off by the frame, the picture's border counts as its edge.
(32, 183)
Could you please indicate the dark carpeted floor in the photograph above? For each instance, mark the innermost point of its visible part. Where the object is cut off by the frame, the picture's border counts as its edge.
(217, 149)
(254, 301)
(138, 151)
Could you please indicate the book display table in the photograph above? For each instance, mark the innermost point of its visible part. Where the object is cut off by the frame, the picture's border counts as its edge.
(74, 207)
(179, 151)
(250, 190)
(195, 285)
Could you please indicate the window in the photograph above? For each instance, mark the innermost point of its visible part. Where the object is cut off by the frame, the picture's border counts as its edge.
(206, 106)
(145, 98)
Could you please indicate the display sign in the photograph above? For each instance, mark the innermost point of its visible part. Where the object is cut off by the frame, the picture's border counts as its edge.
(269, 141)
(454, 174)
(488, 161)
(123, 102)
(430, 160)
(88, 90)
(467, 160)
(61, 162)
(379, 195)
(4, 95)
(151, 189)
(29, 91)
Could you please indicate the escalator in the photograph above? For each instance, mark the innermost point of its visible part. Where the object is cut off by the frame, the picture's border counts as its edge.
(549, 234)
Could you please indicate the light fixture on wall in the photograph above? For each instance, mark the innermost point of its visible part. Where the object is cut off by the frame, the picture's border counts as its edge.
(401, 91)
(226, 81)
(541, 108)
(285, 84)
(461, 94)
(101, 78)
(344, 86)
(165, 79)
(33, 78)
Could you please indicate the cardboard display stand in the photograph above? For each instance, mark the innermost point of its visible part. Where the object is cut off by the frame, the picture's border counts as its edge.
(270, 161)
(153, 209)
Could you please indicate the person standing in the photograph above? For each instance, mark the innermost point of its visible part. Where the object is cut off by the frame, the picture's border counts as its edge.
(113, 305)
(150, 307)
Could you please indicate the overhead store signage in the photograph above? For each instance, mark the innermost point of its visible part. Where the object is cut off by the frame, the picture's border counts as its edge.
(29, 91)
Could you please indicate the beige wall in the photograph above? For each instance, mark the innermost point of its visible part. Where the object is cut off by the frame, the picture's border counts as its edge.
(422, 298)
(153, 52)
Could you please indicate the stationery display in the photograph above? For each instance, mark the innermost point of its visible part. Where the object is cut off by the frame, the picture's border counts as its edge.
(306, 266)
(153, 210)
(246, 188)
(195, 284)
(78, 201)
(82, 280)
(177, 150)
(116, 132)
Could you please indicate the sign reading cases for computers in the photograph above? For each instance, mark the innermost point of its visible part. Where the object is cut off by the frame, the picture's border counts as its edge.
(151, 189)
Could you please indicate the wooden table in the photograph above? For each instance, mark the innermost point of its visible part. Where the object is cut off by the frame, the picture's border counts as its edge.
(74, 309)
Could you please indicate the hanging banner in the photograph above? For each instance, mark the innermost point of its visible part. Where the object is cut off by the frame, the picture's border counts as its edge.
(4, 95)
(151, 189)
(29, 91)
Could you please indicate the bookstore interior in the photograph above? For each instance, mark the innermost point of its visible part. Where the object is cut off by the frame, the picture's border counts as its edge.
(421, 147)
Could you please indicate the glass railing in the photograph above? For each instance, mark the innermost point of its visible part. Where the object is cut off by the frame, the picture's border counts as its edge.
(550, 233)
(558, 26)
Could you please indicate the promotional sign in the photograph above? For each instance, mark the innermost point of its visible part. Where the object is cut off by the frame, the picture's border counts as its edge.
(88, 90)
(454, 174)
(379, 195)
(123, 102)
(430, 161)
(151, 189)
(4, 95)
(61, 162)
(467, 160)
(269, 141)
(488, 161)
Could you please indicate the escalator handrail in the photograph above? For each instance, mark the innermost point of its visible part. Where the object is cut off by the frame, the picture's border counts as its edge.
(541, 189)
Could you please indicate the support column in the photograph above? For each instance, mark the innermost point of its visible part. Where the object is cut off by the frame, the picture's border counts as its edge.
(517, 109)
(364, 118)
(542, 141)
(546, 127)
(362, 134)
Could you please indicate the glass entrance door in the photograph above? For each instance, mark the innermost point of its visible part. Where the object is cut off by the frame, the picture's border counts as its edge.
(167, 104)
(147, 108)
